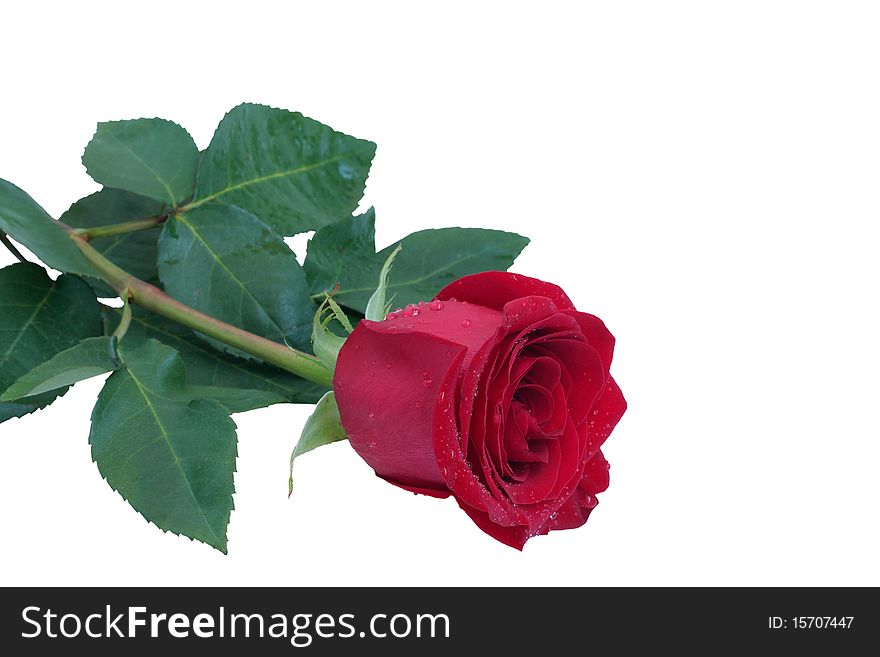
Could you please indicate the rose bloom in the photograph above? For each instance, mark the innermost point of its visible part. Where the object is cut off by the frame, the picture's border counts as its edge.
(497, 392)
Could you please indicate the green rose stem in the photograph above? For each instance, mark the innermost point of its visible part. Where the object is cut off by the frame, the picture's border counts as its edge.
(155, 300)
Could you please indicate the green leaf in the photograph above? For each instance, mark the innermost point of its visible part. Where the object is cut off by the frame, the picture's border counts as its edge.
(135, 252)
(429, 261)
(343, 253)
(234, 400)
(91, 357)
(292, 172)
(10, 410)
(172, 459)
(322, 428)
(150, 157)
(250, 383)
(39, 318)
(226, 263)
(27, 223)
(377, 306)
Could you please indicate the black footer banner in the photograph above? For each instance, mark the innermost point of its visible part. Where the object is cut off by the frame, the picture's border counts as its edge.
(434, 621)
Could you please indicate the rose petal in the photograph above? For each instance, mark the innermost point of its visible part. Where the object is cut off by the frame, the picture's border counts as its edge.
(462, 323)
(538, 400)
(606, 413)
(584, 367)
(574, 512)
(545, 372)
(516, 446)
(525, 312)
(597, 335)
(556, 423)
(514, 536)
(541, 480)
(387, 412)
(596, 475)
(493, 289)
(430, 492)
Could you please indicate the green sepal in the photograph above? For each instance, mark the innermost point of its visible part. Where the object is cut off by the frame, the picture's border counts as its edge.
(325, 343)
(322, 428)
(378, 306)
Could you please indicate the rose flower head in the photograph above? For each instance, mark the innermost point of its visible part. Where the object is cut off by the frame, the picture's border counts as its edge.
(497, 392)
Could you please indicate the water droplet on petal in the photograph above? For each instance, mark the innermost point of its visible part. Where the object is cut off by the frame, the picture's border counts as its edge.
(372, 443)
(371, 415)
(427, 382)
(419, 403)
(436, 305)
(466, 323)
(554, 515)
(388, 366)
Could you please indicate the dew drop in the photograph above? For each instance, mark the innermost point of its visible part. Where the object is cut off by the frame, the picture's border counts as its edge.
(345, 171)
(554, 515)
(419, 404)
(392, 316)
(371, 415)
(466, 323)
(436, 305)
(372, 443)
(427, 382)
(388, 366)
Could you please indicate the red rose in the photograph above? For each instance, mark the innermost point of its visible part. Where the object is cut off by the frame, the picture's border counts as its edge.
(497, 392)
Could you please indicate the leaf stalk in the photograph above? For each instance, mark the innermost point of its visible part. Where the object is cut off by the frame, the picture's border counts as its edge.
(120, 228)
(5, 241)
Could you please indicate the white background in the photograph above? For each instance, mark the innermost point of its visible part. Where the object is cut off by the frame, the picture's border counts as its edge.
(702, 175)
